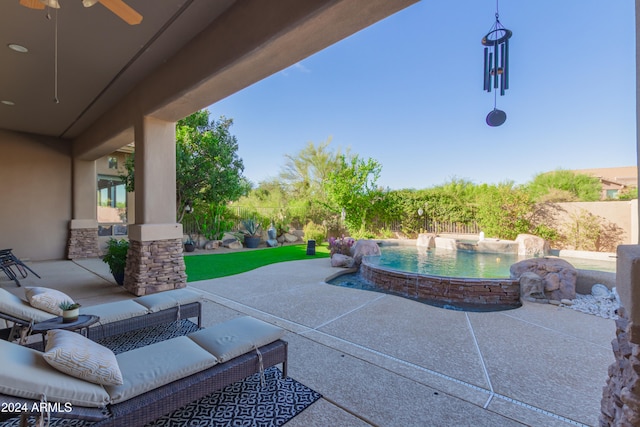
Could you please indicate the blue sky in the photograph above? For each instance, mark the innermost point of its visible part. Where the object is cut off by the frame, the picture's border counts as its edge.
(407, 92)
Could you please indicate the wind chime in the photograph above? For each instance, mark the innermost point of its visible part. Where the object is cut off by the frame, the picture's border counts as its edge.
(496, 66)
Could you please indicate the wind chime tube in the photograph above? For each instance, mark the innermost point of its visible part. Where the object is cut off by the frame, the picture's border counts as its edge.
(502, 75)
(489, 72)
(506, 64)
(486, 69)
(495, 64)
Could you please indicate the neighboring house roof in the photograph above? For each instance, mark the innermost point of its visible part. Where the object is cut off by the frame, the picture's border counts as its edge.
(620, 177)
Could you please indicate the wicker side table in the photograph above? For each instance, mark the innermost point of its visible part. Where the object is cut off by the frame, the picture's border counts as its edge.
(81, 325)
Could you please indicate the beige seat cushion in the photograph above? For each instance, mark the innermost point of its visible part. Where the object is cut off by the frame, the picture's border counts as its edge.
(147, 368)
(168, 299)
(114, 311)
(235, 337)
(16, 307)
(25, 373)
(78, 356)
(46, 299)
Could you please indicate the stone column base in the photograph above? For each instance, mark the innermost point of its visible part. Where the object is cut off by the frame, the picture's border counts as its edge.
(620, 405)
(83, 240)
(154, 266)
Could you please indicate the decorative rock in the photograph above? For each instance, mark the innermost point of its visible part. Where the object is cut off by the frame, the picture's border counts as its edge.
(227, 242)
(339, 260)
(567, 302)
(290, 238)
(212, 244)
(600, 291)
(298, 233)
(532, 287)
(426, 240)
(235, 245)
(271, 243)
(559, 276)
(228, 236)
(554, 302)
(532, 246)
(364, 248)
(552, 282)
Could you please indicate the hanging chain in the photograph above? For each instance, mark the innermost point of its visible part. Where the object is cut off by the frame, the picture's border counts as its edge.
(55, 62)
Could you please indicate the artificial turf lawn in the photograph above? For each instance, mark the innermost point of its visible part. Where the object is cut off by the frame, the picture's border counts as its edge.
(211, 266)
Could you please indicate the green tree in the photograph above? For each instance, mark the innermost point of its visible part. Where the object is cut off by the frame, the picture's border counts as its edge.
(305, 171)
(304, 175)
(208, 169)
(352, 188)
(630, 194)
(564, 186)
(503, 210)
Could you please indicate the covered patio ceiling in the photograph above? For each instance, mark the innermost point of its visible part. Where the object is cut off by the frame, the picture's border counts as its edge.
(185, 55)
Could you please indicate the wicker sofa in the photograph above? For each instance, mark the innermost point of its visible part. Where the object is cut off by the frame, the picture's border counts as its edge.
(157, 379)
(115, 317)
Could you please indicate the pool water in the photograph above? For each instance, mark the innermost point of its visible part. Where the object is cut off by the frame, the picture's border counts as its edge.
(445, 262)
(460, 263)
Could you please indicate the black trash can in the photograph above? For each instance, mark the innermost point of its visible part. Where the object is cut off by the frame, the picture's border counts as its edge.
(311, 247)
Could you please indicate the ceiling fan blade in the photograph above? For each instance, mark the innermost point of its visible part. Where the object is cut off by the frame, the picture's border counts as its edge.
(32, 4)
(123, 10)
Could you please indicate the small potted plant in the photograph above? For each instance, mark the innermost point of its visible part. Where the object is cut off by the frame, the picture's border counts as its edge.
(189, 245)
(116, 258)
(251, 236)
(70, 311)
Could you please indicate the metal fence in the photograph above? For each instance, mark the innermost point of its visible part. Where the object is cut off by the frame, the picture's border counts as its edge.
(429, 226)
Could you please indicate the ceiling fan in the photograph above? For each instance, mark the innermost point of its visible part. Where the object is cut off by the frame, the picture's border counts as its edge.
(118, 7)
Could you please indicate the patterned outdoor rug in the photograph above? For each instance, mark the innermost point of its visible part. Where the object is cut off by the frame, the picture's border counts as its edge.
(245, 403)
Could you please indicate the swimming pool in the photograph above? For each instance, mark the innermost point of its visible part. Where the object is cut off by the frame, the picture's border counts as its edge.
(462, 263)
(444, 262)
(453, 279)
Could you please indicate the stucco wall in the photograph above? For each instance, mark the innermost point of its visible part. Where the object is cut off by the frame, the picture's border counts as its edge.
(622, 213)
(35, 173)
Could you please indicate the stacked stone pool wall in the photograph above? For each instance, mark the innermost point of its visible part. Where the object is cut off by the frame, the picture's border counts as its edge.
(455, 291)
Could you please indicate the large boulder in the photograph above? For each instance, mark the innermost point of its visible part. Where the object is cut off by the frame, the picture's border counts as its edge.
(558, 275)
(426, 240)
(532, 246)
(364, 248)
(291, 238)
(532, 287)
(339, 260)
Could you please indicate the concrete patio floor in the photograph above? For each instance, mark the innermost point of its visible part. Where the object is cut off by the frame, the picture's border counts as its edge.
(383, 360)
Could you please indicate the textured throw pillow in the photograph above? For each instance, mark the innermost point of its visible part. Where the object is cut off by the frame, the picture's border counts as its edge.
(46, 299)
(78, 356)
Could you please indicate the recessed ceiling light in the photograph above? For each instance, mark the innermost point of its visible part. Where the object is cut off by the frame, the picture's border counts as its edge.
(18, 48)
(5, 102)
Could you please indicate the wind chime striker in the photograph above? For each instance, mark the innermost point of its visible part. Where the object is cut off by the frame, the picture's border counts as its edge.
(496, 67)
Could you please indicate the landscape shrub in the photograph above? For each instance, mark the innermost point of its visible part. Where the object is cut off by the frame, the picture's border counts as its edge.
(313, 231)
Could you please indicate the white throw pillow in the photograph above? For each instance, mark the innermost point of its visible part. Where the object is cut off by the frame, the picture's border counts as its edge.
(46, 299)
(78, 356)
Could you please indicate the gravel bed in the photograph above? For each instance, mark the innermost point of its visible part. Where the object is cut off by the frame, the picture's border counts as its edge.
(603, 306)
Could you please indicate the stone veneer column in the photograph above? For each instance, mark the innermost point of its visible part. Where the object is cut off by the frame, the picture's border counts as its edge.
(154, 264)
(620, 404)
(83, 239)
(83, 228)
(154, 261)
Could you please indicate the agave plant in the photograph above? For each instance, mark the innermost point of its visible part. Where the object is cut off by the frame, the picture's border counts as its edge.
(251, 226)
(68, 305)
